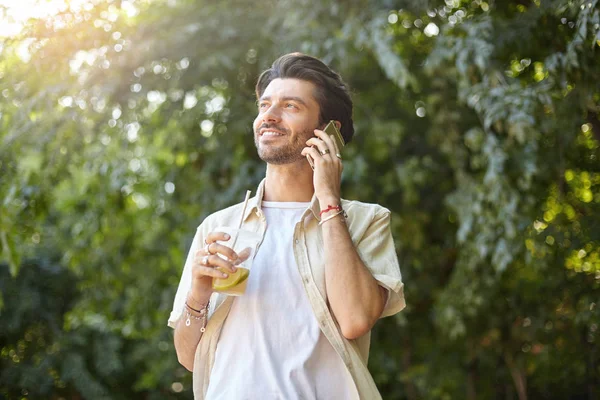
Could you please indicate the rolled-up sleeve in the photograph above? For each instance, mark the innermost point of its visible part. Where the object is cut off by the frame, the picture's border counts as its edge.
(377, 251)
(185, 283)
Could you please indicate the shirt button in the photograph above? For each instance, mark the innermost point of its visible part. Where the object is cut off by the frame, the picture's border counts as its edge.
(297, 241)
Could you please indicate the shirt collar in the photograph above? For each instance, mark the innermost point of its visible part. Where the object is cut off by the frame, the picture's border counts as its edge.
(254, 204)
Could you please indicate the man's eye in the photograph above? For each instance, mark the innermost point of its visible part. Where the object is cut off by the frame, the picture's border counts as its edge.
(262, 105)
(290, 105)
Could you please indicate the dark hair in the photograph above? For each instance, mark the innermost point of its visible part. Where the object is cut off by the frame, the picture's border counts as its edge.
(332, 93)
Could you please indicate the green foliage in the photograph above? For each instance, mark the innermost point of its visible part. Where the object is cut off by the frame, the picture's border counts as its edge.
(478, 124)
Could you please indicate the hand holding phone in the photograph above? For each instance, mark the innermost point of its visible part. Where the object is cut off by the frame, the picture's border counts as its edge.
(332, 130)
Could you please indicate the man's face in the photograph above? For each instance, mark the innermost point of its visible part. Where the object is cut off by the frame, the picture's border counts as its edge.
(287, 116)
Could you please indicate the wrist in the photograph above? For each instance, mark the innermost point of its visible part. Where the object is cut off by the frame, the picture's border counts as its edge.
(326, 201)
(198, 314)
(198, 298)
(331, 215)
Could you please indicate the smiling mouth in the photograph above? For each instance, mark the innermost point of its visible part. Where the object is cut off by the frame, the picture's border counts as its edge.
(270, 134)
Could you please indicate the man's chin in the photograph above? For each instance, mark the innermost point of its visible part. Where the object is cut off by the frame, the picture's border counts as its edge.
(278, 158)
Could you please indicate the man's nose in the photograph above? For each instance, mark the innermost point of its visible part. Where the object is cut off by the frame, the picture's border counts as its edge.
(273, 114)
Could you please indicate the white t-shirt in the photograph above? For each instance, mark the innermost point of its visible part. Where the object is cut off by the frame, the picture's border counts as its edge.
(271, 346)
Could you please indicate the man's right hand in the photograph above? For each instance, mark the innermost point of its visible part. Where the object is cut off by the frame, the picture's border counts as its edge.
(214, 260)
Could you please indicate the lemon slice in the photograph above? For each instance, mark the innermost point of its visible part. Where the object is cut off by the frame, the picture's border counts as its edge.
(232, 280)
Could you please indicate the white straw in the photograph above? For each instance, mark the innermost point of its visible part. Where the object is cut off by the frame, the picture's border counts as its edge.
(242, 218)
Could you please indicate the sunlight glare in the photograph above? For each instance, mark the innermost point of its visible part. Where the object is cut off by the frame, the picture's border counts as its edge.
(14, 14)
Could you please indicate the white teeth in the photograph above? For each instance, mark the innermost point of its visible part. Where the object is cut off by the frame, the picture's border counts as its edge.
(271, 133)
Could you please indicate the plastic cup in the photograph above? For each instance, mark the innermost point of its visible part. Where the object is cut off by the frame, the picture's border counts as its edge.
(244, 243)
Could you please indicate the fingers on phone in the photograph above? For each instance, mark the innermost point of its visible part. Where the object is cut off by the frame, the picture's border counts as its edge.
(324, 142)
(313, 141)
(331, 143)
(312, 155)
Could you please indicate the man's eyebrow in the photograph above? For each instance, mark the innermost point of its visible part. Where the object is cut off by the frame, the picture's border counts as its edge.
(287, 98)
(294, 98)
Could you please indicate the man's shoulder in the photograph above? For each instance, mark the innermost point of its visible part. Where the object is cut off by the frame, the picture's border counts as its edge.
(362, 208)
(229, 216)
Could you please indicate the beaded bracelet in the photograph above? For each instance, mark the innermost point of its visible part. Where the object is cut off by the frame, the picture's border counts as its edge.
(201, 317)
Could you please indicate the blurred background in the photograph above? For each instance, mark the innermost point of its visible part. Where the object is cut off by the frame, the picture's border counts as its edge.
(124, 123)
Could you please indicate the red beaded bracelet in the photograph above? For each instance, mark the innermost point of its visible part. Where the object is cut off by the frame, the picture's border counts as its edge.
(330, 208)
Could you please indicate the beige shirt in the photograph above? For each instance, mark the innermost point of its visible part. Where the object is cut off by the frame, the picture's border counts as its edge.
(369, 227)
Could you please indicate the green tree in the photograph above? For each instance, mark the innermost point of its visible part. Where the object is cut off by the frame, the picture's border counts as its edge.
(124, 124)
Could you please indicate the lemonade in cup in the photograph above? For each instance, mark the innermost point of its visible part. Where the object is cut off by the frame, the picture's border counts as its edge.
(244, 243)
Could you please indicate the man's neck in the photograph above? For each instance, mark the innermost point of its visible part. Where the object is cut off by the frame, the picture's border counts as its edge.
(289, 182)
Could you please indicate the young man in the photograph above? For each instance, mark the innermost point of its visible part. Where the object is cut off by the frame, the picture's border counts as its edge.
(324, 272)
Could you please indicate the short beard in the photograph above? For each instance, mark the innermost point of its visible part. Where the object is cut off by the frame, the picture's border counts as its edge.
(286, 154)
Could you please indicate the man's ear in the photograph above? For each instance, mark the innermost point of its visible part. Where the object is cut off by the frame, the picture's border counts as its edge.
(338, 125)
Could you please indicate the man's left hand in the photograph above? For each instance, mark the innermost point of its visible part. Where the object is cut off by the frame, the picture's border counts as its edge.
(327, 164)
